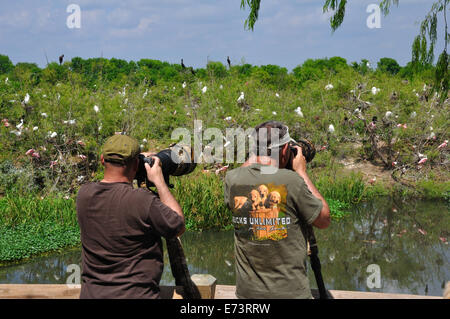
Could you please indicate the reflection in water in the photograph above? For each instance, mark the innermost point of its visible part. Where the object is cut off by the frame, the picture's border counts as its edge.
(407, 240)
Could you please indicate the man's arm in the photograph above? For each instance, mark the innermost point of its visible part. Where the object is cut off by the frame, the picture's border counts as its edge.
(154, 174)
(299, 165)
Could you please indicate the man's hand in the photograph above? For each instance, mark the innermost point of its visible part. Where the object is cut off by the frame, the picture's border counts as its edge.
(154, 173)
(148, 154)
(299, 165)
(299, 162)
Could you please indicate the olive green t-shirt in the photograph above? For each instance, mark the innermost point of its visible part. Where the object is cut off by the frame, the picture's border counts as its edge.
(270, 212)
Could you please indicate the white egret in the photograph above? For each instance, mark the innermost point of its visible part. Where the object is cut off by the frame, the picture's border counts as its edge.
(241, 97)
(375, 90)
(298, 110)
(331, 128)
(26, 99)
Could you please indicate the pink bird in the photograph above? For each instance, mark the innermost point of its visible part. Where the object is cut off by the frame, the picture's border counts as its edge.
(222, 169)
(422, 161)
(443, 145)
(31, 152)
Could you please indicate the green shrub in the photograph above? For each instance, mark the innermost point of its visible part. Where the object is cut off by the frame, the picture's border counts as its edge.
(5, 64)
(388, 65)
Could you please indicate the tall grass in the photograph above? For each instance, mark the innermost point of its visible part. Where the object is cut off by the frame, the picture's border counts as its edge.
(18, 210)
(30, 225)
(201, 198)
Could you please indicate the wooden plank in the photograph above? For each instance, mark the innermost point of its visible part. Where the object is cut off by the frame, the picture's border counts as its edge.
(51, 291)
(225, 292)
(206, 285)
(342, 294)
(229, 292)
(39, 291)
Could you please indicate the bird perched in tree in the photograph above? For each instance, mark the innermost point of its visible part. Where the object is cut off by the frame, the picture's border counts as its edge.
(190, 68)
(394, 96)
(61, 58)
(241, 102)
(229, 62)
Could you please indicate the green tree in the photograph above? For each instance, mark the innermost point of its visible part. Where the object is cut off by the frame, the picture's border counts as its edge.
(388, 65)
(28, 73)
(216, 69)
(5, 64)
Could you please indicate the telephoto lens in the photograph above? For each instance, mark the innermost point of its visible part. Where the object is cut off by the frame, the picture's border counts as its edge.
(308, 151)
(175, 161)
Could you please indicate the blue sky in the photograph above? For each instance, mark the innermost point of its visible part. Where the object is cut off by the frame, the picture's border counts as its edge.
(287, 33)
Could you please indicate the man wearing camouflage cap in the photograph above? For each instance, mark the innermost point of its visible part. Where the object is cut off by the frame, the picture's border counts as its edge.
(121, 226)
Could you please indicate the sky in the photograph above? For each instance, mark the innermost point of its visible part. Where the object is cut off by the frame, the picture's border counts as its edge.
(287, 33)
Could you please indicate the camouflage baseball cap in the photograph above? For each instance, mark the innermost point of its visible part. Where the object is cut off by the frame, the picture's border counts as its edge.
(120, 148)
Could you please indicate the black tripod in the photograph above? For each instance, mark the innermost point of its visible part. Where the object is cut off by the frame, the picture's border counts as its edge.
(313, 252)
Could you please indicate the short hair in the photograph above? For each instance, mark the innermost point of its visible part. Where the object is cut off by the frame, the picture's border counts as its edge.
(127, 164)
(263, 141)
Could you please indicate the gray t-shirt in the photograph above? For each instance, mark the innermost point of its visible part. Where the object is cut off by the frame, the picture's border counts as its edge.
(270, 212)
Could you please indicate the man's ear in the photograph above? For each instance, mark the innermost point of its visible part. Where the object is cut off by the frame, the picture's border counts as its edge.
(284, 155)
(102, 159)
(285, 149)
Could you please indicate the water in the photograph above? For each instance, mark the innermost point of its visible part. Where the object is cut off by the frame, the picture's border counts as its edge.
(407, 240)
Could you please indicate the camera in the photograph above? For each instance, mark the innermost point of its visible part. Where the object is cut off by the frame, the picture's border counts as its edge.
(308, 151)
(175, 161)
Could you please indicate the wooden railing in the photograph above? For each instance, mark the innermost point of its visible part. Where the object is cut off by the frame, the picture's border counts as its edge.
(206, 284)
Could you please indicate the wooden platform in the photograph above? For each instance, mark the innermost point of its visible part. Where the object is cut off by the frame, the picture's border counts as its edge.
(47, 291)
